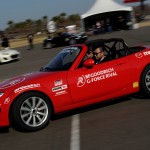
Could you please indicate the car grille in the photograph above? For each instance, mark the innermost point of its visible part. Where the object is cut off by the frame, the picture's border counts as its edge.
(15, 56)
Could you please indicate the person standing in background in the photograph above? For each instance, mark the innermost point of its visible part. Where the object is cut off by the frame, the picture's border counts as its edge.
(30, 41)
(5, 41)
(108, 25)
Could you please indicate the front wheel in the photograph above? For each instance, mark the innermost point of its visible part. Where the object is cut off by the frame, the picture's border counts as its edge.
(31, 112)
(145, 81)
(47, 45)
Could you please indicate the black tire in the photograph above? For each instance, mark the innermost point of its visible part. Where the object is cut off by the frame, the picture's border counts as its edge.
(31, 112)
(145, 81)
(49, 45)
(72, 42)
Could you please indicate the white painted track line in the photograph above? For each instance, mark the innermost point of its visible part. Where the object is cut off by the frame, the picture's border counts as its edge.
(75, 133)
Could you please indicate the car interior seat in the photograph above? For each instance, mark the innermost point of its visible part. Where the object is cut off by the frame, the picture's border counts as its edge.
(113, 53)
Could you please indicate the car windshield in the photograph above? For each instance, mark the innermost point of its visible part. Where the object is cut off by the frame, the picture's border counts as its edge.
(63, 60)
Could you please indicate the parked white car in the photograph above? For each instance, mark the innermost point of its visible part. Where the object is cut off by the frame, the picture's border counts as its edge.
(8, 55)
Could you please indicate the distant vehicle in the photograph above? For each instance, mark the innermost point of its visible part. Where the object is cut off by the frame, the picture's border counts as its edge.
(64, 39)
(70, 81)
(8, 55)
(139, 17)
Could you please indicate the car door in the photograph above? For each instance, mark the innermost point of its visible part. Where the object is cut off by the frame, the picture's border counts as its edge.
(105, 79)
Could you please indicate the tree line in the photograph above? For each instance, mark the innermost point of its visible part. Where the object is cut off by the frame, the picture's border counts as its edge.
(40, 25)
(61, 20)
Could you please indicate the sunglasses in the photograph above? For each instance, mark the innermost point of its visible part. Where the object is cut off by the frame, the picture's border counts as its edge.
(89, 52)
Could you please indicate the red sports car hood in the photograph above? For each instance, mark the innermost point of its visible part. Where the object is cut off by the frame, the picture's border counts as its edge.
(26, 78)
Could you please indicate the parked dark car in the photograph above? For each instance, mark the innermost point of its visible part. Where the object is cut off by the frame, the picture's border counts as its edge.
(64, 39)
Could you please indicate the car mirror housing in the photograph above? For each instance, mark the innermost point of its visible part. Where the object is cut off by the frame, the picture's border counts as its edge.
(88, 63)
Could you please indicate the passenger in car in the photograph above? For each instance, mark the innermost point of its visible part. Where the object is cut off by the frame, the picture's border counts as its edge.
(89, 54)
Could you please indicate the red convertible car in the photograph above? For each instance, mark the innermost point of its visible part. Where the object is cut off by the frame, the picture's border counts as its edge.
(70, 80)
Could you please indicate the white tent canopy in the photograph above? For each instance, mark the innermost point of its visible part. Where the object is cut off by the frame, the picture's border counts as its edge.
(102, 6)
(108, 10)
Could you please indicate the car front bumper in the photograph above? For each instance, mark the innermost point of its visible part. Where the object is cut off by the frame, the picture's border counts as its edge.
(4, 119)
(8, 58)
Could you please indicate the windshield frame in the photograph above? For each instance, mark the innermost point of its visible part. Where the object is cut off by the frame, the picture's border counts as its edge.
(63, 60)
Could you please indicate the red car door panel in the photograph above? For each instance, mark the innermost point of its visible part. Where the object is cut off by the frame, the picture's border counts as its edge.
(101, 80)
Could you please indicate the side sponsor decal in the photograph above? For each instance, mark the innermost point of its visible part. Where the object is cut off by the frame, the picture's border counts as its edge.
(59, 88)
(30, 86)
(138, 55)
(58, 82)
(60, 93)
(69, 49)
(81, 81)
(135, 84)
(7, 100)
(12, 82)
(146, 53)
(96, 76)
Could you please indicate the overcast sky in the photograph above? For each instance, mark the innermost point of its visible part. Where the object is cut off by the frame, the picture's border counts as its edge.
(21, 10)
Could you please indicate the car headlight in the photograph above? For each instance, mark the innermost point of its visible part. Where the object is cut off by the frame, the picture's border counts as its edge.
(1, 94)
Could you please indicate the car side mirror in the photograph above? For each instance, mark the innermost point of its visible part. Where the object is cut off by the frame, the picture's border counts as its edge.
(88, 63)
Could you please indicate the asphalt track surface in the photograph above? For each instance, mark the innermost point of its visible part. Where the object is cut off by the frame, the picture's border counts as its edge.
(123, 124)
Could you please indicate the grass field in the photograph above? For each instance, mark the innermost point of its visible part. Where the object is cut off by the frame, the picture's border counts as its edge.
(23, 42)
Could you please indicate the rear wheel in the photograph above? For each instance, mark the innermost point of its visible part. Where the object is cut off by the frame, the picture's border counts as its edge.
(31, 112)
(72, 41)
(145, 81)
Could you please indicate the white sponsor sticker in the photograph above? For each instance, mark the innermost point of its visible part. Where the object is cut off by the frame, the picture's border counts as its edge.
(58, 82)
(96, 76)
(59, 88)
(60, 93)
(146, 53)
(30, 86)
